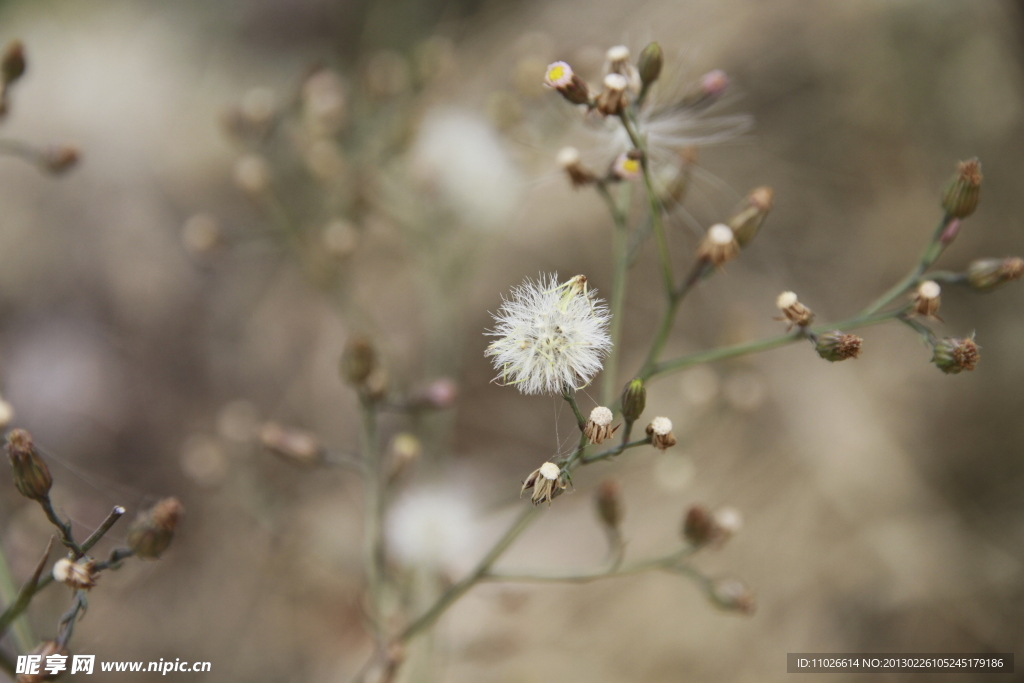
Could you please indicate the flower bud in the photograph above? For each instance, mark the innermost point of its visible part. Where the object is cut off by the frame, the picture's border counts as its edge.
(719, 245)
(963, 191)
(31, 475)
(984, 275)
(698, 526)
(80, 575)
(650, 63)
(571, 162)
(406, 450)
(836, 346)
(358, 360)
(45, 649)
(634, 400)
(560, 76)
(294, 445)
(439, 394)
(547, 481)
(660, 431)
(12, 64)
(59, 159)
(599, 426)
(612, 100)
(746, 222)
(608, 504)
(152, 531)
(793, 311)
(733, 595)
(953, 356)
(927, 299)
(626, 166)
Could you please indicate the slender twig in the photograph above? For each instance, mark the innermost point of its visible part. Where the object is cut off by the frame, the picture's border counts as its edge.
(585, 576)
(620, 259)
(374, 513)
(110, 521)
(63, 527)
(928, 257)
(570, 398)
(24, 597)
(612, 452)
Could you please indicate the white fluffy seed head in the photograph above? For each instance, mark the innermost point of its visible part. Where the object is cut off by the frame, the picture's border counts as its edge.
(550, 471)
(929, 289)
(601, 416)
(568, 157)
(785, 300)
(615, 82)
(550, 337)
(661, 426)
(720, 234)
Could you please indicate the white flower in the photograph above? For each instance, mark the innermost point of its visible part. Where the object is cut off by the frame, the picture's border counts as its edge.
(551, 337)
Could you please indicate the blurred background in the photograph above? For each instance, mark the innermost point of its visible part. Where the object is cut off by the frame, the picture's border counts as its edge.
(199, 272)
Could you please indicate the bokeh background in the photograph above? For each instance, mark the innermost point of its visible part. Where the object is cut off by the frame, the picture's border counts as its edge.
(150, 320)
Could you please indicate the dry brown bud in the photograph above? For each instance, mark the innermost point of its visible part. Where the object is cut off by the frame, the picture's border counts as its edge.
(963, 191)
(31, 475)
(612, 99)
(733, 595)
(836, 346)
(44, 650)
(719, 245)
(571, 162)
(599, 426)
(793, 311)
(660, 431)
(12, 64)
(59, 159)
(358, 360)
(547, 481)
(608, 504)
(953, 356)
(152, 531)
(80, 575)
(927, 299)
(294, 445)
(984, 275)
(747, 220)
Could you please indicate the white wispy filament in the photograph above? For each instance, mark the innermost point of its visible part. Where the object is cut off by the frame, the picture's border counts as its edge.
(550, 336)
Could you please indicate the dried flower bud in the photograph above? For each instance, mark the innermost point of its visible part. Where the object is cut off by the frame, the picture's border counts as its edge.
(377, 384)
(747, 220)
(31, 475)
(650, 63)
(963, 191)
(608, 504)
(612, 100)
(6, 414)
(984, 275)
(152, 531)
(252, 174)
(599, 426)
(358, 360)
(560, 76)
(618, 63)
(80, 575)
(59, 159)
(793, 311)
(927, 299)
(12, 64)
(835, 346)
(698, 526)
(733, 595)
(719, 245)
(45, 649)
(634, 400)
(660, 431)
(547, 481)
(953, 356)
(571, 162)
(406, 450)
(626, 166)
(294, 445)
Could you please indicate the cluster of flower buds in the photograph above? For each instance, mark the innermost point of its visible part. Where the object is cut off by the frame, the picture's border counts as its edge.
(547, 481)
(623, 81)
(953, 355)
(701, 527)
(660, 431)
(599, 426)
(153, 530)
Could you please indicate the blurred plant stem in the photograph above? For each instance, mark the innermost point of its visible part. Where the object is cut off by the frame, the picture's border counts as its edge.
(11, 596)
(668, 561)
(374, 513)
(620, 260)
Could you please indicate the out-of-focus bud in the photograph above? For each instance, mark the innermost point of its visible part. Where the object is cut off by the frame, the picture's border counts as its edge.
(714, 83)
(59, 159)
(31, 475)
(698, 525)
(406, 450)
(608, 504)
(733, 595)
(617, 62)
(560, 76)
(324, 105)
(836, 346)
(152, 531)
(747, 220)
(634, 400)
(953, 356)
(599, 426)
(200, 234)
(294, 445)
(728, 522)
(984, 275)
(793, 311)
(80, 575)
(650, 63)
(252, 174)
(358, 360)
(45, 649)
(927, 299)
(612, 100)
(6, 414)
(626, 166)
(378, 384)
(440, 394)
(572, 163)
(660, 431)
(12, 64)
(719, 245)
(963, 191)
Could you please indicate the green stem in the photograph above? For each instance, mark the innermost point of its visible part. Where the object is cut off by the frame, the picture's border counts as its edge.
(927, 336)
(585, 576)
(930, 254)
(611, 452)
(736, 350)
(64, 528)
(661, 335)
(570, 398)
(618, 297)
(373, 529)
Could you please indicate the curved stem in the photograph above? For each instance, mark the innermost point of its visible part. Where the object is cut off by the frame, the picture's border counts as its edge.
(930, 254)
(374, 513)
(586, 576)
